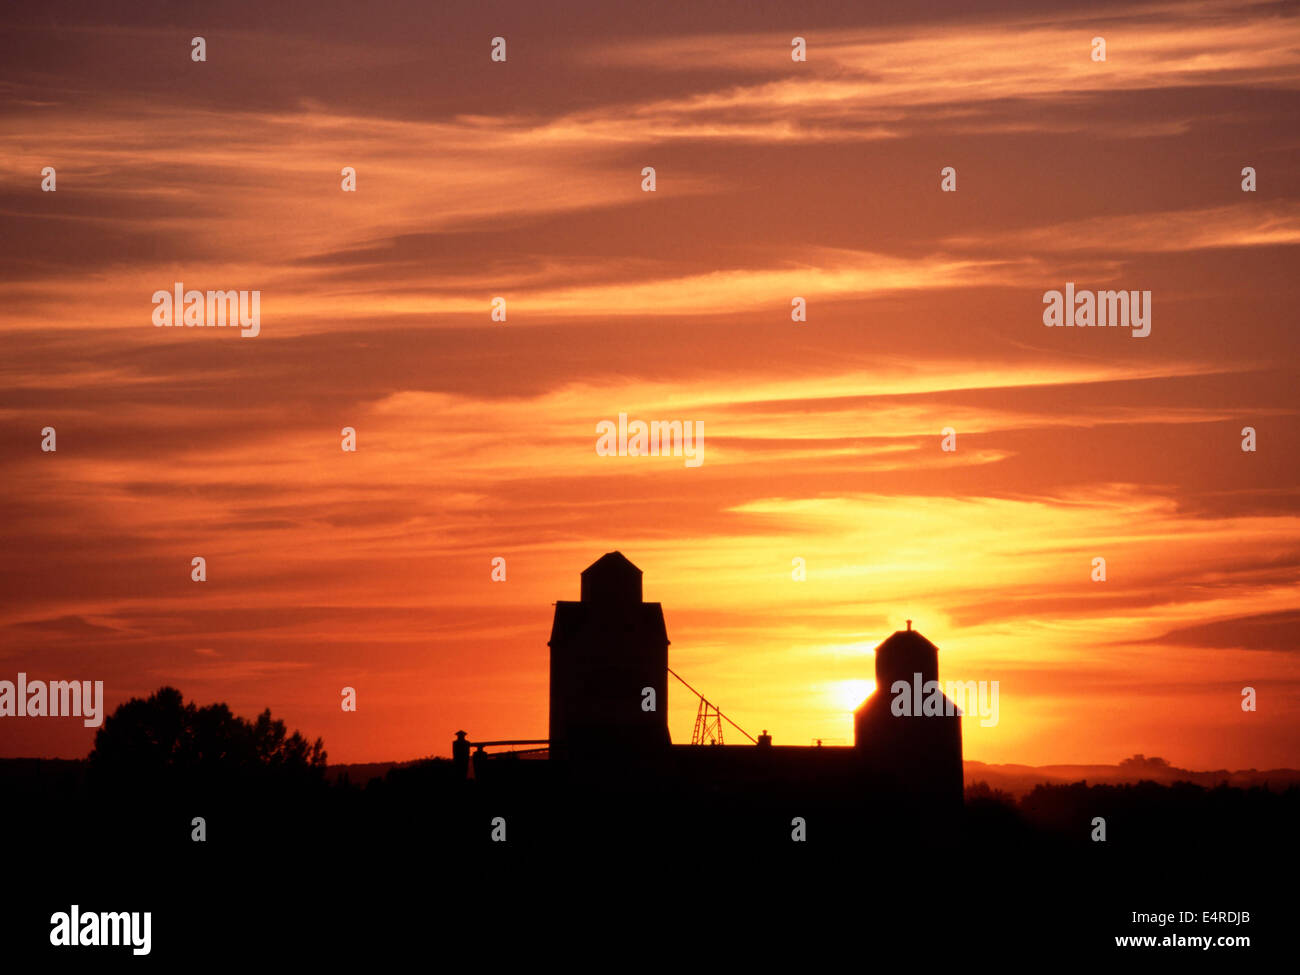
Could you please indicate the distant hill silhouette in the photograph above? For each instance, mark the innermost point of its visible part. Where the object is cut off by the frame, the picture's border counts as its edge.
(359, 773)
(1021, 779)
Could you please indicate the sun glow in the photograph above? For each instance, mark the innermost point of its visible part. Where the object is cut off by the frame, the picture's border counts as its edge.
(846, 695)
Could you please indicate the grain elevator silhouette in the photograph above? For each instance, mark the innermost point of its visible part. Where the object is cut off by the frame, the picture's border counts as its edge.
(609, 685)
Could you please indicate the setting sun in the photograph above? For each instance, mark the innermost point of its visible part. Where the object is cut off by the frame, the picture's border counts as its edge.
(846, 695)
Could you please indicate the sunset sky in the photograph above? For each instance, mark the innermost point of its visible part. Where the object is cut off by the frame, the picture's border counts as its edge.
(775, 179)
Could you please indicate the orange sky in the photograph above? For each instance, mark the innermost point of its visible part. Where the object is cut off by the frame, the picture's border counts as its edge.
(822, 440)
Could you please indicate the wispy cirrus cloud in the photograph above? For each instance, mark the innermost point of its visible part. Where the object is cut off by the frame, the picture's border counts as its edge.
(775, 180)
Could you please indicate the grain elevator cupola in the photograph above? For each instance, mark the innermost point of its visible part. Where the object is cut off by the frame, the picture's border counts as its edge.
(904, 654)
(611, 579)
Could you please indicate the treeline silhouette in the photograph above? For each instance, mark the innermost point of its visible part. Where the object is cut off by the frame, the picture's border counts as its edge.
(285, 843)
(1145, 816)
(159, 762)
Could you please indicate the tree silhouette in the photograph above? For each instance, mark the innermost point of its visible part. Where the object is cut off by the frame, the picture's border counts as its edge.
(161, 741)
(1140, 761)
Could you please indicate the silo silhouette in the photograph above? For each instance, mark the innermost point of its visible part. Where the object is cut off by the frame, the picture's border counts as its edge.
(919, 751)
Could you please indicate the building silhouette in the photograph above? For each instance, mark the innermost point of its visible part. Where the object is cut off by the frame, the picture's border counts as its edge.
(606, 650)
(921, 751)
(609, 719)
